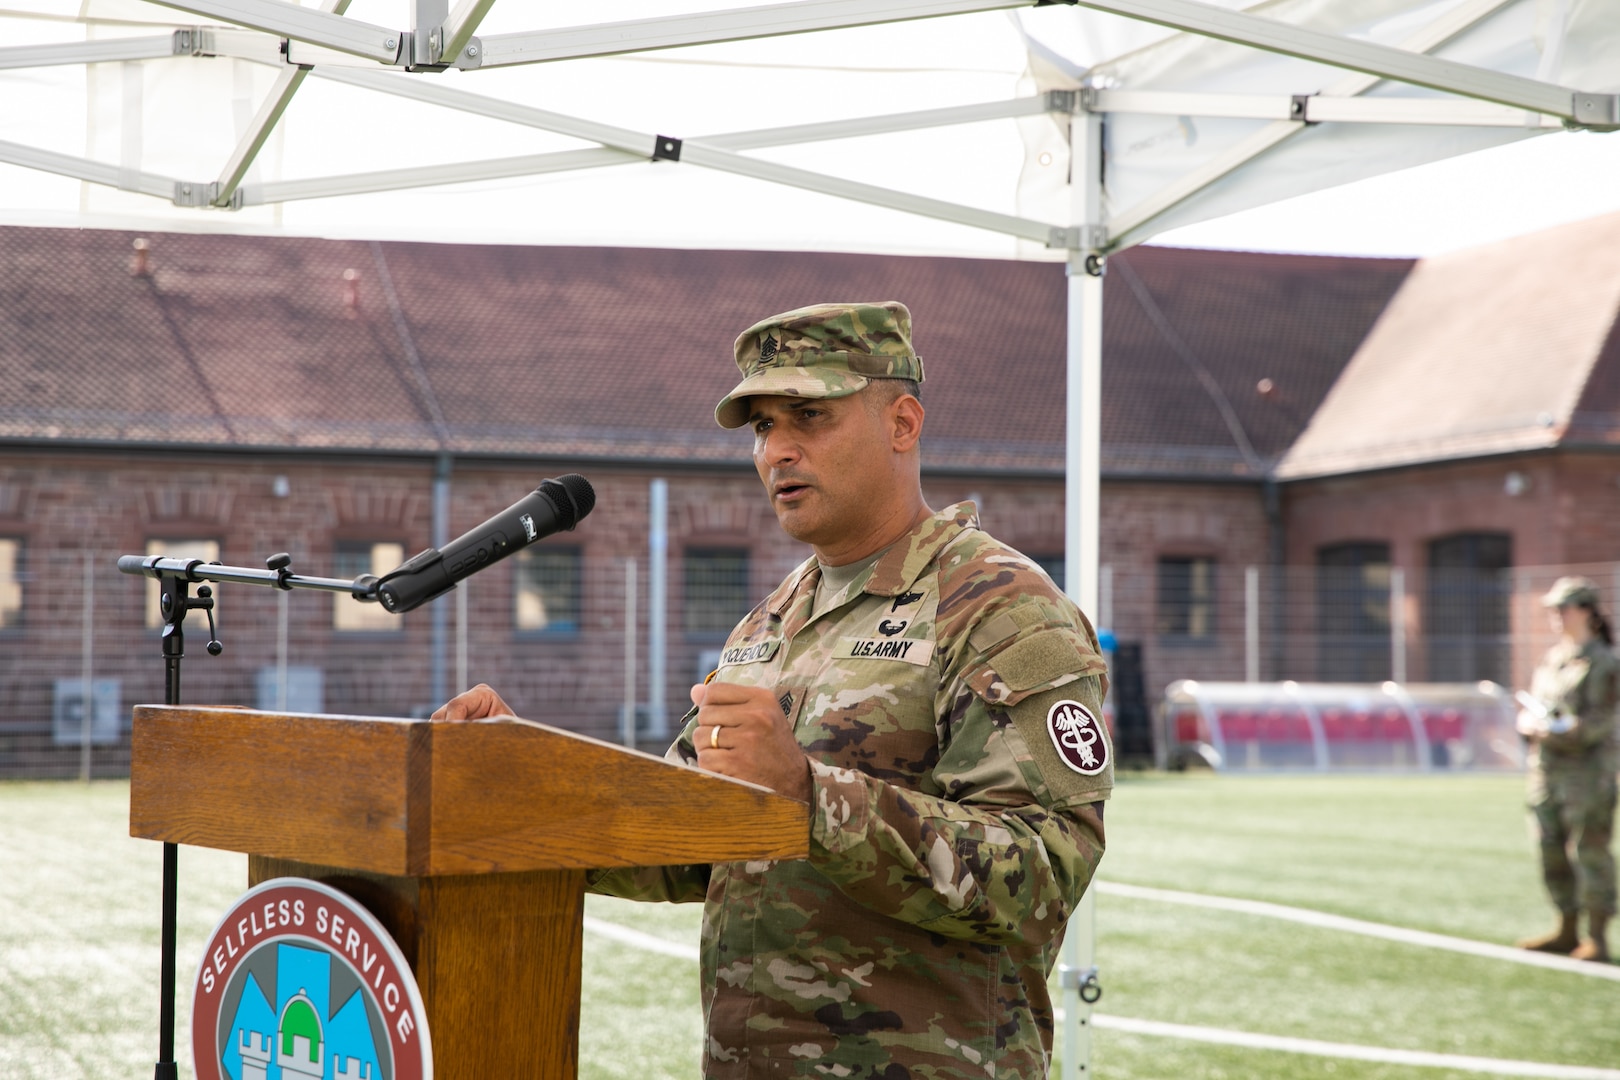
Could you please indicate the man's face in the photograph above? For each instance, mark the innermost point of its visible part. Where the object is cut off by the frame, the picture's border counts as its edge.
(828, 465)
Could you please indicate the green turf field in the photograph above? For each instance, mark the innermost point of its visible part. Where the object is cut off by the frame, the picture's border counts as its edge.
(1449, 855)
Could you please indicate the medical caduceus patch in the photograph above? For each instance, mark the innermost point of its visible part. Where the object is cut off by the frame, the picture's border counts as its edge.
(1078, 737)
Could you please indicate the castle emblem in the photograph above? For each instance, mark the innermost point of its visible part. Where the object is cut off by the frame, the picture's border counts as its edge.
(301, 983)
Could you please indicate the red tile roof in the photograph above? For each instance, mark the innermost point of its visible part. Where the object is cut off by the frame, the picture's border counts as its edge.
(1188, 342)
(1498, 349)
(613, 353)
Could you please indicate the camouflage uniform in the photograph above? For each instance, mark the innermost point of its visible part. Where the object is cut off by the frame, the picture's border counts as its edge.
(1572, 775)
(948, 703)
(947, 696)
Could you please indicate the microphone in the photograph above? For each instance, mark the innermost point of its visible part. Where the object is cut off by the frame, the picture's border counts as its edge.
(554, 506)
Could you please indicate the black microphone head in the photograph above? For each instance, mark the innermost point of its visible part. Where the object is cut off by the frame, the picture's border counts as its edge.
(578, 494)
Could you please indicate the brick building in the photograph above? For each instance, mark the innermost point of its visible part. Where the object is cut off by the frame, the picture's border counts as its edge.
(238, 396)
(1471, 442)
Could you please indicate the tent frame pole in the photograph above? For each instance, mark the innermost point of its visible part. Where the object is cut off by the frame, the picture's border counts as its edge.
(435, 27)
(317, 27)
(696, 152)
(424, 47)
(1382, 61)
(1077, 973)
(264, 121)
(1134, 219)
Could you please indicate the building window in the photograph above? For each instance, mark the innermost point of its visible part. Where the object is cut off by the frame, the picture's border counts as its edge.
(1186, 604)
(352, 559)
(1352, 613)
(715, 597)
(1465, 615)
(548, 589)
(206, 550)
(11, 579)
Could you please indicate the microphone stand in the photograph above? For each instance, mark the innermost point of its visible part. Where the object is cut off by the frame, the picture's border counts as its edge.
(175, 577)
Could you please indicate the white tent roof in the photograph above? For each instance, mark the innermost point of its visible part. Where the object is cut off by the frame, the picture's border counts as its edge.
(1199, 128)
(126, 112)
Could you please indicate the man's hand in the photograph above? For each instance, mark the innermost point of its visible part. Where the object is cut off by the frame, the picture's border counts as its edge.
(476, 704)
(742, 733)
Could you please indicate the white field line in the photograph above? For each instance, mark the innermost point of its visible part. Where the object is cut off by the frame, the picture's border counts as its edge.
(1385, 1055)
(1401, 934)
(639, 940)
(1461, 1062)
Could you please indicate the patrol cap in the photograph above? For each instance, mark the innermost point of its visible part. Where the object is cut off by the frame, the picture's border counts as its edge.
(1572, 592)
(824, 351)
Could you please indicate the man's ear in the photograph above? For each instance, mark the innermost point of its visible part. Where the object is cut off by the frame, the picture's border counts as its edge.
(905, 423)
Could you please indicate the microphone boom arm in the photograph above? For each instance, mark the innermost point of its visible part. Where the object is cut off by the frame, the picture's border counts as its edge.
(277, 576)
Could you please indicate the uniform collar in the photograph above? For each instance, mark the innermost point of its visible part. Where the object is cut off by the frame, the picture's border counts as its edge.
(905, 560)
(901, 564)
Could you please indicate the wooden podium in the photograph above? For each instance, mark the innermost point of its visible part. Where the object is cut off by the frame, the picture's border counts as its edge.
(468, 842)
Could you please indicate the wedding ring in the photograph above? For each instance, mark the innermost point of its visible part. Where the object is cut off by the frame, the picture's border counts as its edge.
(714, 737)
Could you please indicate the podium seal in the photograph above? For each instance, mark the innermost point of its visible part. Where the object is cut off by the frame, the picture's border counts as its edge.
(300, 982)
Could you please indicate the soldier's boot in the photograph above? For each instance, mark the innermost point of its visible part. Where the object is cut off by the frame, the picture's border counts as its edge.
(1596, 946)
(1564, 940)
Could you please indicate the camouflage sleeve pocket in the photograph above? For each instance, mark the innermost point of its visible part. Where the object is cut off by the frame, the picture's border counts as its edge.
(1051, 685)
(1044, 660)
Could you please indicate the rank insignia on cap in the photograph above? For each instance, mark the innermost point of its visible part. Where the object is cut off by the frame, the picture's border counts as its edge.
(767, 349)
(1077, 737)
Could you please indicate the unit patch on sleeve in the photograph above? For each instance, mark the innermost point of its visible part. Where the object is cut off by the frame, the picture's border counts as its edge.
(1077, 737)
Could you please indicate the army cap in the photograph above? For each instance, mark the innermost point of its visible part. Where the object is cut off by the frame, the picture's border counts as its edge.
(1572, 592)
(824, 351)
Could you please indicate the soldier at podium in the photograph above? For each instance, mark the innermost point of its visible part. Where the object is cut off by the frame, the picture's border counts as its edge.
(936, 703)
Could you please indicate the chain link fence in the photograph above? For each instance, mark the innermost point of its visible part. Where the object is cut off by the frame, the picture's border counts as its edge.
(1333, 623)
(1349, 663)
(565, 639)
(568, 640)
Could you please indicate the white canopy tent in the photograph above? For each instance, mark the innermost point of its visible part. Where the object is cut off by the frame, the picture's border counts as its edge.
(1064, 130)
(155, 105)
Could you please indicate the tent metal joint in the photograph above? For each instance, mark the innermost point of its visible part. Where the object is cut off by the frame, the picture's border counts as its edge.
(187, 193)
(286, 48)
(421, 52)
(1064, 101)
(191, 193)
(194, 41)
(1088, 238)
(666, 148)
(1299, 108)
(1081, 979)
(471, 57)
(221, 201)
(1596, 112)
